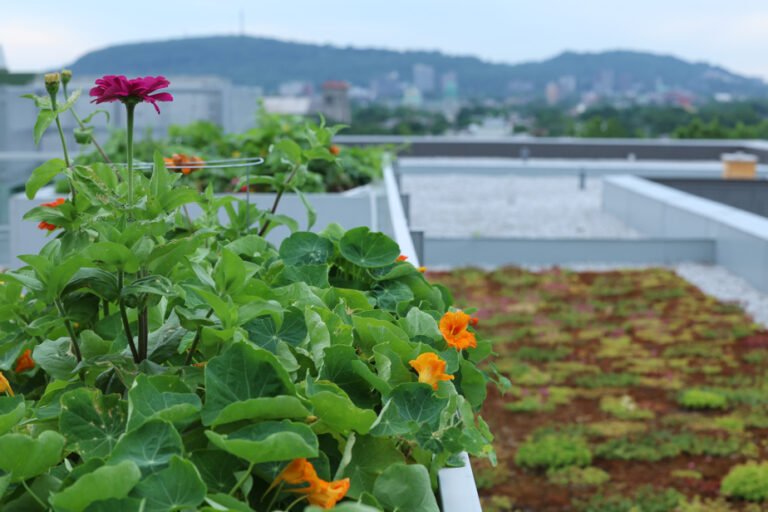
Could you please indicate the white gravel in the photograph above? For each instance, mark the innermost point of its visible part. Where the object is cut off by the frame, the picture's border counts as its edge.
(460, 205)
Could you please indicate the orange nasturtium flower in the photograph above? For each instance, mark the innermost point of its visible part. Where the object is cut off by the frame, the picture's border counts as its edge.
(55, 204)
(453, 327)
(325, 494)
(431, 368)
(402, 257)
(473, 321)
(297, 472)
(177, 161)
(422, 269)
(334, 149)
(5, 385)
(25, 362)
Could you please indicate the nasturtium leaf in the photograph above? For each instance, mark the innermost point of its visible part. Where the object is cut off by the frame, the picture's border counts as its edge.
(126, 504)
(472, 383)
(305, 248)
(101, 282)
(55, 357)
(419, 323)
(91, 421)
(5, 481)
(332, 406)
(145, 402)
(391, 293)
(391, 365)
(405, 487)
(106, 482)
(42, 175)
(313, 275)
(12, 410)
(217, 468)
(268, 441)
(248, 246)
(150, 446)
(354, 300)
(393, 271)
(225, 502)
(417, 401)
(176, 487)
(368, 249)
(390, 423)
(297, 295)
(266, 408)
(373, 331)
(25, 457)
(365, 458)
(263, 332)
(337, 368)
(241, 373)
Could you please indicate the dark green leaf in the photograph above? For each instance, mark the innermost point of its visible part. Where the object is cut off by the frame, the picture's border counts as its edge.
(268, 441)
(367, 249)
(106, 482)
(305, 248)
(405, 487)
(92, 422)
(42, 175)
(150, 446)
(177, 487)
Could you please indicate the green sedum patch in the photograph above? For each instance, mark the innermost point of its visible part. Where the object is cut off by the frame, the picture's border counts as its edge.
(747, 481)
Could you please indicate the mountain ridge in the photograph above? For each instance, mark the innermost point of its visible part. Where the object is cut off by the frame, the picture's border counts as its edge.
(268, 62)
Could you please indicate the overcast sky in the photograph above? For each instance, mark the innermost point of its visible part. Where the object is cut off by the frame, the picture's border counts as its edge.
(43, 34)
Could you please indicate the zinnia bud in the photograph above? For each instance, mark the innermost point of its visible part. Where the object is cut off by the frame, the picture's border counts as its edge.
(52, 81)
(66, 76)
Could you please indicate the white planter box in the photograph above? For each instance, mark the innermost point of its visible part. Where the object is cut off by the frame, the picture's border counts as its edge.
(362, 206)
(458, 492)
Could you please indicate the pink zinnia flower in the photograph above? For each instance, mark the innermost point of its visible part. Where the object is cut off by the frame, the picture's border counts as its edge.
(118, 88)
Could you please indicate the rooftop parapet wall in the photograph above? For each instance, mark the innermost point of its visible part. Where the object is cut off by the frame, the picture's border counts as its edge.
(741, 237)
(563, 147)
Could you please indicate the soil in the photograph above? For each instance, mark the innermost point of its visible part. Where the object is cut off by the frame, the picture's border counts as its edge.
(679, 339)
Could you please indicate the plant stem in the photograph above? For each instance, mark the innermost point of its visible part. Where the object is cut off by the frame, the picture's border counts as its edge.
(37, 499)
(70, 330)
(297, 500)
(193, 348)
(277, 199)
(124, 317)
(82, 125)
(105, 307)
(130, 107)
(242, 479)
(274, 496)
(63, 141)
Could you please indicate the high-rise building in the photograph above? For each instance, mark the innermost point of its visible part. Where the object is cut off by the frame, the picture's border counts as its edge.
(424, 77)
(552, 93)
(3, 67)
(335, 103)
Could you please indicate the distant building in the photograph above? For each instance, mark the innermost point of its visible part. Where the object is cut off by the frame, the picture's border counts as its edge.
(566, 84)
(412, 97)
(424, 78)
(387, 86)
(3, 66)
(335, 102)
(451, 105)
(295, 88)
(552, 93)
(292, 105)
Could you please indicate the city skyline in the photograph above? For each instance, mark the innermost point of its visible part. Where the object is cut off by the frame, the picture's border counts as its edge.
(495, 30)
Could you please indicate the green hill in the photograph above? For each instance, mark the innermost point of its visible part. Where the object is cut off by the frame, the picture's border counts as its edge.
(269, 62)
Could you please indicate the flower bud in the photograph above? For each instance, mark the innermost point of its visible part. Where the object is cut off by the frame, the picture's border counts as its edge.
(52, 83)
(66, 76)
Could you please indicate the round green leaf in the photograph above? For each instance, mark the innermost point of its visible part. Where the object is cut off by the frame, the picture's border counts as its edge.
(241, 373)
(268, 441)
(150, 446)
(91, 421)
(367, 249)
(104, 483)
(12, 409)
(405, 487)
(145, 403)
(26, 457)
(305, 248)
(177, 487)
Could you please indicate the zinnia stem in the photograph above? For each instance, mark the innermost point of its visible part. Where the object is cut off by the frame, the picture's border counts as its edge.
(124, 318)
(130, 107)
(70, 330)
(277, 199)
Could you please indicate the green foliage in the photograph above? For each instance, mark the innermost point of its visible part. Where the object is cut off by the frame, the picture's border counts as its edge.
(647, 499)
(554, 451)
(702, 399)
(607, 380)
(182, 364)
(579, 477)
(747, 481)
